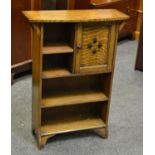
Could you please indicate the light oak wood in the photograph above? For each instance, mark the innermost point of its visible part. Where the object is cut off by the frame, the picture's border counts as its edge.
(81, 122)
(36, 75)
(73, 97)
(22, 53)
(43, 140)
(64, 72)
(100, 61)
(77, 47)
(94, 56)
(72, 82)
(55, 72)
(102, 132)
(75, 16)
(57, 48)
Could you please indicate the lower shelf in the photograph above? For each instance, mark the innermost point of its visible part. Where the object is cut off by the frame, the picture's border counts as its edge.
(81, 122)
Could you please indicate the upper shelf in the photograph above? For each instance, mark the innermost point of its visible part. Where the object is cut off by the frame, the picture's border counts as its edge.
(65, 16)
(57, 48)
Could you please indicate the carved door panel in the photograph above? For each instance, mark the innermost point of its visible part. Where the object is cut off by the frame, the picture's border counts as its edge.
(94, 48)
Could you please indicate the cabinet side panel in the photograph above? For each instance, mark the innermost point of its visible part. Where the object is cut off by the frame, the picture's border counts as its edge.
(112, 42)
(36, 72)
(107, 80)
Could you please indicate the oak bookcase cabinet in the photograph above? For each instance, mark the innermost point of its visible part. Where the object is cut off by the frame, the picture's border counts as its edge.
(73, 63)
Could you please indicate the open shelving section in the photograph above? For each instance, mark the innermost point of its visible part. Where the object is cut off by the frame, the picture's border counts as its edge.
(71, 118)
(56, 65)
(75, 103)
(72, 100)
(58, 50)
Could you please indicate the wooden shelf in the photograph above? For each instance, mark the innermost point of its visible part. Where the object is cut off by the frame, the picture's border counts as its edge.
(74, 123)
(55, 72)
(72, 97)
(57, 48)
(64, 72)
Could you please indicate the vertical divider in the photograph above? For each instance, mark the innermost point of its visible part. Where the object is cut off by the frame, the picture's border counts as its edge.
(77, 47)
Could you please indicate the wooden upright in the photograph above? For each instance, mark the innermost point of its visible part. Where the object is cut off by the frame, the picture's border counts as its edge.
(73, 66)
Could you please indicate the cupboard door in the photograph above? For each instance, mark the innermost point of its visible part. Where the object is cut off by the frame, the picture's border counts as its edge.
(93, 52)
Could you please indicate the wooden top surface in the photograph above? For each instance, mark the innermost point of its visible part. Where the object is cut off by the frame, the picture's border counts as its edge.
(73, 16)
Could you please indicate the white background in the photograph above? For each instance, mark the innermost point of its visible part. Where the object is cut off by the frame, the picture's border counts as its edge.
(149, 77)
(5, 76)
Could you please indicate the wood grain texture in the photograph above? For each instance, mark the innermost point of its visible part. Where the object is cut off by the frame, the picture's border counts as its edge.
(57, 48)
(55, 72)
(36, 75)
(108, 80)
(64, 72)
(97, 53)
(72, 97)
(76, 123)
(75, 16)
(77, 47)
(66, 97)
